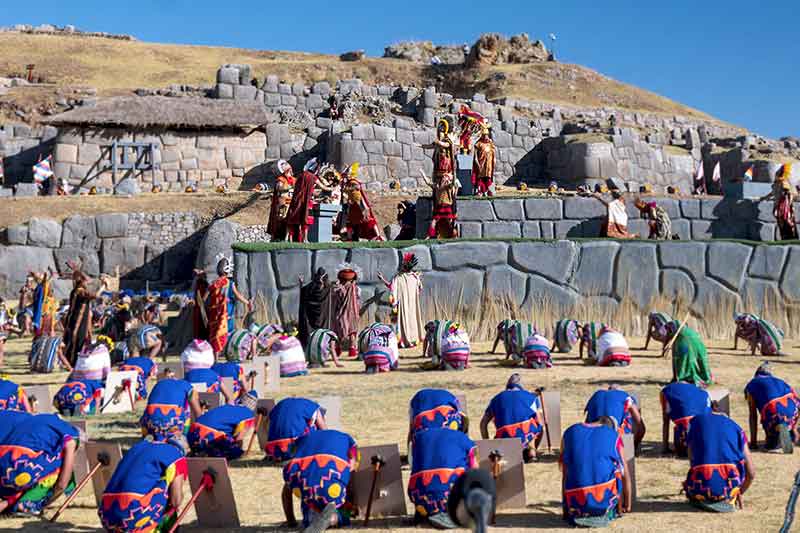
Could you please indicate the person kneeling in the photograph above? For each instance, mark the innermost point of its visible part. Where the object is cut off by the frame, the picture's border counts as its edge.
(439, 457)
(721, 466)
(319, 476)
(221, 432)
(146, 489)
(596, 488)
(290, 419)
(515, 413)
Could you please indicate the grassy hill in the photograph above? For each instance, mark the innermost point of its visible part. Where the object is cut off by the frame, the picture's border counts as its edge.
(117, 67)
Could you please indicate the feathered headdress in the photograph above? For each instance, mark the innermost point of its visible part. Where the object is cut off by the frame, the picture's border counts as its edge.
(409, 262)
(348, 271)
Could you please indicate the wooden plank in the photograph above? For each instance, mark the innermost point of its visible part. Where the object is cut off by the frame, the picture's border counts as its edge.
(629, 456)
(215, 508)
(552, 409)
(332, 407)
(723, 398)
(40, 398)
(116, 398)
(103, 475)
(511, 481)
(390, 497)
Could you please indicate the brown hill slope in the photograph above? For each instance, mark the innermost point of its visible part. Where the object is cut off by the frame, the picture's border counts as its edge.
(115, 67)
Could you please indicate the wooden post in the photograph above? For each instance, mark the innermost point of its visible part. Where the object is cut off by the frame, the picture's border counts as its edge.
(377, 463)
(102, 460)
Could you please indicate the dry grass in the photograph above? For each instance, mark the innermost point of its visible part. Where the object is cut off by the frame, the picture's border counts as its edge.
(117, 67)
(375, 413)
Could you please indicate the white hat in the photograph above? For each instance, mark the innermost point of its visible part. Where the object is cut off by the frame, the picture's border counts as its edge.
(199, 354)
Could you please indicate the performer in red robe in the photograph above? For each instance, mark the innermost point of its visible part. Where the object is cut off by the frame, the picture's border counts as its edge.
(281, 198)
(298, 217)
(359, 220)
(483, 164)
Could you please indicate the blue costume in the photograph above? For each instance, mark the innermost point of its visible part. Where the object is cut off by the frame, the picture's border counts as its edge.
(219, 432)
(144, 368)
(776, 402)
(435, 408)
(11, 395)
(515, 415)
(167, 409)
(716, 447)
(613, 403)
(289, 419)
(684, 401)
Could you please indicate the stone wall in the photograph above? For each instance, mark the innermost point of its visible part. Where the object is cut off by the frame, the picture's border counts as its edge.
(716, 277)
(207, 159)
(557, 218)
(21, 146)
(157, 247)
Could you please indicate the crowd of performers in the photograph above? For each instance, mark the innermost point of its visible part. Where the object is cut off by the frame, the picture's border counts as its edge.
(37, 451)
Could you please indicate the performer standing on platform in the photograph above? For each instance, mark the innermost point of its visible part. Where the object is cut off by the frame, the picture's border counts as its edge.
(483, 164)
(445, 186)
(405, 288)
(298, 216)
(358, 219)
(281, 198)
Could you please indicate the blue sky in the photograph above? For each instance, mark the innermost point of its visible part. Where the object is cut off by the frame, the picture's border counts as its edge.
(736, 60)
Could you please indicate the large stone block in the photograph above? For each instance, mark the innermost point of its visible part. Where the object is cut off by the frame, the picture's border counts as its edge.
(475, 211)
(454, 256)
(543, 209)
(228, 75)
(671, 206)
(682, 228)
(504, 282)
(218, 240)
(290, 265)
(65, 153)
(16, 262)
(791, 274)
(594, 275)
(374, 260)
(552, 260)
(701, 229)
(690, 208)
(508, 209)
(241, 272)
(329, 260)
(17, 234)
(761, 231)
(713, 208)
(80, 232)
(531, 230)
(761, 295)
(712, 297)
(727, 262)
(363, 132)
(262, 286)
(547, 229)
(288, 305)
(583, 208)
(470, 230)
(127, 253)
(89, 260)
(453, 292)
(501, 230)
(637, 274)
(677, 286)
(112, 225)
(44, 232)
(544, 293)
(690, 256)
(567, 228)
(767, 262)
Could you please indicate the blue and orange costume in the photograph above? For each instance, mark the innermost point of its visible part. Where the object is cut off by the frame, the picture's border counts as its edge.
(435, 408)
(9, 419)
(231, 369)
(145, 368)
(220, 431)
(79, 396)
(592, 465)
(31, 456)
(211, 379)
(320, 472)
(682, 402)
(136, 499)
(515, 415)
(612, 403)
(11, 395)
(776, 402)
(439, 457)
(716, 447)
(290, 419)
(167, 409)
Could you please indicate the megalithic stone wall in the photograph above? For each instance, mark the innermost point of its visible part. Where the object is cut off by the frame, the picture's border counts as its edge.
(549, 218)
(708, 275)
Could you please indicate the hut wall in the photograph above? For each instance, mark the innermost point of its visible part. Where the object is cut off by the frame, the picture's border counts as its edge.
(207, 159)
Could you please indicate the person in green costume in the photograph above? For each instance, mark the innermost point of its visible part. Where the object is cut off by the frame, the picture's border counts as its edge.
(689, 356)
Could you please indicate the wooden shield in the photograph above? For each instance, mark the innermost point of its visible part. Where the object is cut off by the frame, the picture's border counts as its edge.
(262, 431)
(40, 398)
(332, 407)
(228, 383)
(267, 375)
(723, 398)
(215, 508)
(175, 366)
(116, 399)
(390, 497)
(103, 475)
(200, 387)
(511, 481)
(552, 411)
(629, 456)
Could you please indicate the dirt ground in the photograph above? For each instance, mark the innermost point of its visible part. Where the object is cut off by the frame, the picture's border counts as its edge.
(375, 412)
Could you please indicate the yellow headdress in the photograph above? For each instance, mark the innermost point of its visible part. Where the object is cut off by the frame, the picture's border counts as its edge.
(445, 124)
(352, 170)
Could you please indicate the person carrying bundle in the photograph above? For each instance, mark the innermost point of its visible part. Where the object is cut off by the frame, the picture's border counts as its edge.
(759, 334)
(83, 391)
(197, 360)
(378, 349)
(323, 346)
(513, 333)
(611, 349)
(689, 356)
(656, 328)
(567, 334)
(447, 346)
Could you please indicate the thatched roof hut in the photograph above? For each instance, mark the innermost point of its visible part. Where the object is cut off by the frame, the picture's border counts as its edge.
(155, 112)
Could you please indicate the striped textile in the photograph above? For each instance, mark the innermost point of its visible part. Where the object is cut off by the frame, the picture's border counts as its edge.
(44, 354)
(591, 331)
(240, 345)
(658, 326)
(455, 350)
(537, 352)
(42, 171)
(319, 347)
(94, 364)
(293, 359)
(567, 334)
(144, 338)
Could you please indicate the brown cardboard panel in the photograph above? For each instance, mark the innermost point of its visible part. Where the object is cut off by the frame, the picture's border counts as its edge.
(629, 452)
(102, 476)
(115, 398)
(333, 411)
(267, 379)
(41, 398)
(723, 397)
(511, 481)
(552, 410)
(175, 366)
(215, 508)
(228, 383)
(199, 387)
(390, 496)
(261, 431)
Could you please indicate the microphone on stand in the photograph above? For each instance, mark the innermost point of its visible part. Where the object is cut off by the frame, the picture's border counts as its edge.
(472, 500)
